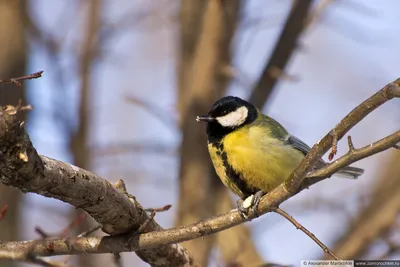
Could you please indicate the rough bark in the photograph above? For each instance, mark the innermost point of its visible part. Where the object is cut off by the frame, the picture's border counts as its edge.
(23, 168)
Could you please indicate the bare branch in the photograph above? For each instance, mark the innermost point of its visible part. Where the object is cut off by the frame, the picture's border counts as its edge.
(39, 173)
(355, 116)
(17, 80)
(334, 145)
(350, 143)
(358, 154)
(282, 51)
(114, 210)
(165, 118)
(304, 230)
(377, 216)
(162, 209)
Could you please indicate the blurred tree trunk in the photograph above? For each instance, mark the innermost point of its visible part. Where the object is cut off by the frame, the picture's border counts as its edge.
(13, 64)
(79, 139)
(207, 29)
(191, 16)
(236, 244)
(377, 217)
(200, 62)
(285, 46)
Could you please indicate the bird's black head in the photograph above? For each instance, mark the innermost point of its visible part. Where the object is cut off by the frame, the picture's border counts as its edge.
(226, 115)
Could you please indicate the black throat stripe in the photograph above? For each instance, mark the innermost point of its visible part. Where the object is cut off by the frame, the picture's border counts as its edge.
(232, 175)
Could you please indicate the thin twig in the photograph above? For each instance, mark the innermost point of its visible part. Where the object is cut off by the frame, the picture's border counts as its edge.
(142, 228)
(83, 234)
(167, 118)
(283, 50)
(90, 231)
(20, 107)
(162, 209)
(146, 223)
(17, 80)
(304, 230)
(64, 233)
(41, 232)
(358, 154)
(43, 262)
(350, 143)
(75, 223)
(334, 145)
(117, 260)
(396, 147)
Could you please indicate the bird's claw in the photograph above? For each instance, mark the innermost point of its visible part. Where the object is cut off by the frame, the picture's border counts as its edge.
(249, 205)
(243, 211)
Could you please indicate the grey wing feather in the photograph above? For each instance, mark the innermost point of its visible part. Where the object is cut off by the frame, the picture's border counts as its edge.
(298, 144)
(303, 147)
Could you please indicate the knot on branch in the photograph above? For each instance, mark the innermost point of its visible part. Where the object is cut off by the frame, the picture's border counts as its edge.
(16, 149)
(392, 90)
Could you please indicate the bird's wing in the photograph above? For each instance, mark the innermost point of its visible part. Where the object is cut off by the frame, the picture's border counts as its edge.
(304, 148)
(279, 132)
(298, 144)
(275, 129)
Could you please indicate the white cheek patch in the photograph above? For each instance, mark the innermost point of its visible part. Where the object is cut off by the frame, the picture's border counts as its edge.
(234, 118)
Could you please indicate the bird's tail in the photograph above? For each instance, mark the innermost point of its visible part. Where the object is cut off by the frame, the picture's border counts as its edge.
(351, 172)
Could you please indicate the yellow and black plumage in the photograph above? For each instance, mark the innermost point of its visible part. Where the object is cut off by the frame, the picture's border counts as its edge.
(250, 151)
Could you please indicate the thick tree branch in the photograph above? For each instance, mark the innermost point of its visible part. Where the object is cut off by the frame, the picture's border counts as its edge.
(23, 168)
(28, 175)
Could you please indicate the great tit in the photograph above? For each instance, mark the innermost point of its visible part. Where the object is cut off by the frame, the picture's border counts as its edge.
(251, 152)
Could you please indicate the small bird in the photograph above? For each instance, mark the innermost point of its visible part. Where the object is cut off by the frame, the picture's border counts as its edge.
(251, 152)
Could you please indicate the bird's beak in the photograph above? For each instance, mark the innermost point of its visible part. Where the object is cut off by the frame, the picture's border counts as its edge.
(205, 118)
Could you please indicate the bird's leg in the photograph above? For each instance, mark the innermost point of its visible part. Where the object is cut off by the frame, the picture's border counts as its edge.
(256, 201)
(249, 203)
(243, 210)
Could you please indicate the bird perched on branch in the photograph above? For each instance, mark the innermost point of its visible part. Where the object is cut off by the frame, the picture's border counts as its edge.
(251, 152)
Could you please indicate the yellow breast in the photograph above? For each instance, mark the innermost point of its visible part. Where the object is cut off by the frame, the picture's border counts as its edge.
(261, 161)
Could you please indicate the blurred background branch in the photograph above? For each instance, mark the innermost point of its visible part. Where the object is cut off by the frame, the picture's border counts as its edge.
(13, 63)
(376, 218)
(123, 85)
